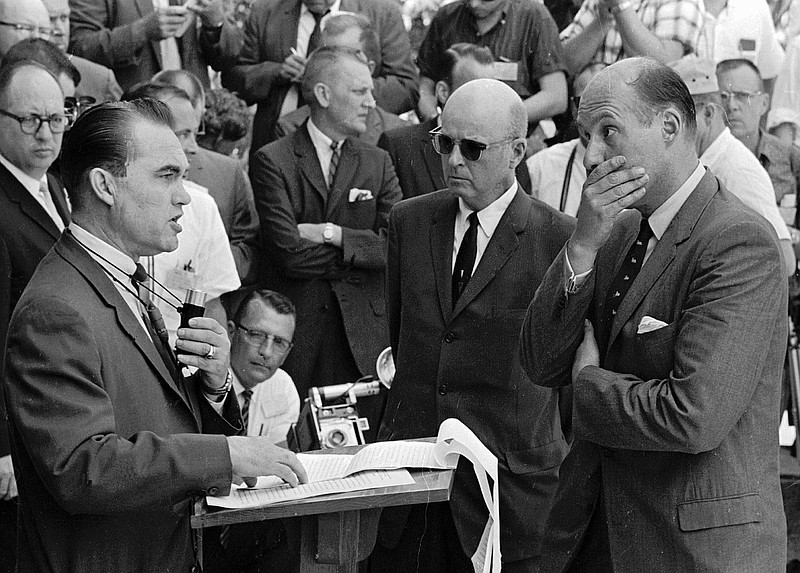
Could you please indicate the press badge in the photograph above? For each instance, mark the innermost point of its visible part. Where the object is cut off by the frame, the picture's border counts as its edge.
(181, 278)
(506, 71)
(747, 47)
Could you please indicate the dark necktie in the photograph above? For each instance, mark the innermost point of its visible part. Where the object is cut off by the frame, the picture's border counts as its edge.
(313, 40)
(154, 322)
(465, 260)
(246, 395)
(334, 162)
(627, 273)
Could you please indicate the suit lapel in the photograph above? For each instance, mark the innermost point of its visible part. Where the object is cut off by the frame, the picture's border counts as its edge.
(664, 252)
(503, 242)
(348, 167)
(59, 198)
(441, 243)
(309, 162)
(432, 160)
(74, 254)
(17, 193)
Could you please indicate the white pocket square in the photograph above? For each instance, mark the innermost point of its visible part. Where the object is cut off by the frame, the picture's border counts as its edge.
(649, 324)
(357, 194)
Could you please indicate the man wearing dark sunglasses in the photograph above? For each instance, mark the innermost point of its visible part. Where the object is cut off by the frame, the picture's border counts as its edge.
(463, 265)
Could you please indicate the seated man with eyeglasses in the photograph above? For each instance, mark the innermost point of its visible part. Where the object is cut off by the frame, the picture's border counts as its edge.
(261, 335)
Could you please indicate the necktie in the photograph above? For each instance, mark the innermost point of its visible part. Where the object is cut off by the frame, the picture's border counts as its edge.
(49, 205)
(335, 147)
(246, 396)
(313, 40)
(465, 259)
(627, 273)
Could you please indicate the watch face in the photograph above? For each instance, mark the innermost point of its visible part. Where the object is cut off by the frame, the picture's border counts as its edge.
(327, 233)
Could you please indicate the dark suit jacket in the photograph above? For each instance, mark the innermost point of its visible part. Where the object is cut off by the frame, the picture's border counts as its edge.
(418, 166)
(97, 81)
(463, 362)
(104, 31)
(289, 188)
(228, 184)
(28, 233)
(5, 316)
(378, 121)
(677, 426)
(271, 32)
(106, 448)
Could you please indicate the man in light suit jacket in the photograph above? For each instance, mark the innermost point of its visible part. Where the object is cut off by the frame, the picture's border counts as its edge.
(133, 38)
(324, 237)
(418, 166)
(267, 69)
(110, 441)
(29, 225)
(676, 365)
(457, 355)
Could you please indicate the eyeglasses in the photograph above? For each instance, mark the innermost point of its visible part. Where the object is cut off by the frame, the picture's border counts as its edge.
(739, 96)
(29, 28)
(471, 150)
(257, 338)
(31, 123)
(75, 106)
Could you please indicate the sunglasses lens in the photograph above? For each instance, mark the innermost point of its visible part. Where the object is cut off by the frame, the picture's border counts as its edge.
(471, 150)
(445, 143)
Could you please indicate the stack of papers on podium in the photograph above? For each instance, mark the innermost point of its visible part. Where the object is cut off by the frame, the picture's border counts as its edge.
(377, 465)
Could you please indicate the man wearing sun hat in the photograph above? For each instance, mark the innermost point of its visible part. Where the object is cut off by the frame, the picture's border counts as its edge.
(727, 157)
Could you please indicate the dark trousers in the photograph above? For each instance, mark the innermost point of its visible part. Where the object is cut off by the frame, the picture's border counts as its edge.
(255, 547)
(8, 535)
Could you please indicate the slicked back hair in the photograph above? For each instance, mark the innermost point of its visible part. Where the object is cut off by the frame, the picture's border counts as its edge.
(103, 137)
(463, 50)
(659, 87)
(155, 90)
(45, 53)
(322, 68)
(183, 79)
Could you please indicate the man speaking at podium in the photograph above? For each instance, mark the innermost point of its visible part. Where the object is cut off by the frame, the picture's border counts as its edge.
(110, 441)
(463, 264)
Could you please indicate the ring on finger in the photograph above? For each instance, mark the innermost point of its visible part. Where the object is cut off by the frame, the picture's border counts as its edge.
(211, 352)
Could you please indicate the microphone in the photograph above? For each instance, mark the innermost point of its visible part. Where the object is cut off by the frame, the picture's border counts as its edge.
(194, 305)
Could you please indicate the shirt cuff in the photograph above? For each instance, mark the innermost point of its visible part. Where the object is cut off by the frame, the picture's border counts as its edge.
(573, 282)
(218, 406)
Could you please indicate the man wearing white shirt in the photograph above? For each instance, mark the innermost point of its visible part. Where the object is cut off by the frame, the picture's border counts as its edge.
(666, 314)
(33, 212)
(463, 264)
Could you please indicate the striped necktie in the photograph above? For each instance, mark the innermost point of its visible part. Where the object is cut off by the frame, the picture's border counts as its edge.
(336, 148)
(246, 396)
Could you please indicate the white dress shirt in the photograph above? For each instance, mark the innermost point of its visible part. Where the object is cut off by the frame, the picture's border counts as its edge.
(547, 169)
(274, 406)
(488, 219)
(322, 145)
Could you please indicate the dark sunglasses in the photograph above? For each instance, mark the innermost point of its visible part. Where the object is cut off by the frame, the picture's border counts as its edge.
(471, 150)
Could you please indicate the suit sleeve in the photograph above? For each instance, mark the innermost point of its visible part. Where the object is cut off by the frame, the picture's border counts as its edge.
(396, 82)
(5, 315)
(91, 36)
(66, 421)
(244, 230)
(553, 327)
(366, 248)
(297, 257)
(253, 77)
(393, 277)
(725, 331)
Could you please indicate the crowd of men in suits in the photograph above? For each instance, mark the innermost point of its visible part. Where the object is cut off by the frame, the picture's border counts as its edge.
(621, 359)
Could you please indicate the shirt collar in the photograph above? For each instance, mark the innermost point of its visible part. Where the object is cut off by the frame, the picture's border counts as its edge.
(321, 141)
(500, 22)
(30, 183)
(488, 217)
(237, 386)
(334, 8)
(116, 263)
(663, 216)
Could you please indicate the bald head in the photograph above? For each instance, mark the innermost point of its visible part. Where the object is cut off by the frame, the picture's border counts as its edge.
(25, 12)
(491, 114)
(492, 106)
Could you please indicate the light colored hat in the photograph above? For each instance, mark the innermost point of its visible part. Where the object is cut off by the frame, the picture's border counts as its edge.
(699, 75)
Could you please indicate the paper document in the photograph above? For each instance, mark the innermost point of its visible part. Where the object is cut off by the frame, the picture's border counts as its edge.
(241, 497)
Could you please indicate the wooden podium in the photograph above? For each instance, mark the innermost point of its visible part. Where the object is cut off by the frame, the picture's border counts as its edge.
(337, 530)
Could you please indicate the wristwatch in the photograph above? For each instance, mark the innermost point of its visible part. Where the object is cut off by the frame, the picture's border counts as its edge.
(327, 233)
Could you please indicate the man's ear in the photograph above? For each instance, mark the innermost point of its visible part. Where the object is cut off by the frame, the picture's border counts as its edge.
(518, 148)
(671, 123)
(323, 94)
(104, 185)
(371, 65)
(442, 91)
(765, 103)
(231, 329)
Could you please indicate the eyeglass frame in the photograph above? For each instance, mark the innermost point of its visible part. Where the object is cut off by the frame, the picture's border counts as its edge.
(740, 96)
(435, 133)
(275, 339)
(74, 106)
(28, 28)
(40, 119)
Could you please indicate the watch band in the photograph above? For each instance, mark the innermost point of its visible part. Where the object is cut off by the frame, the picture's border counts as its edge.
(222, 390)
